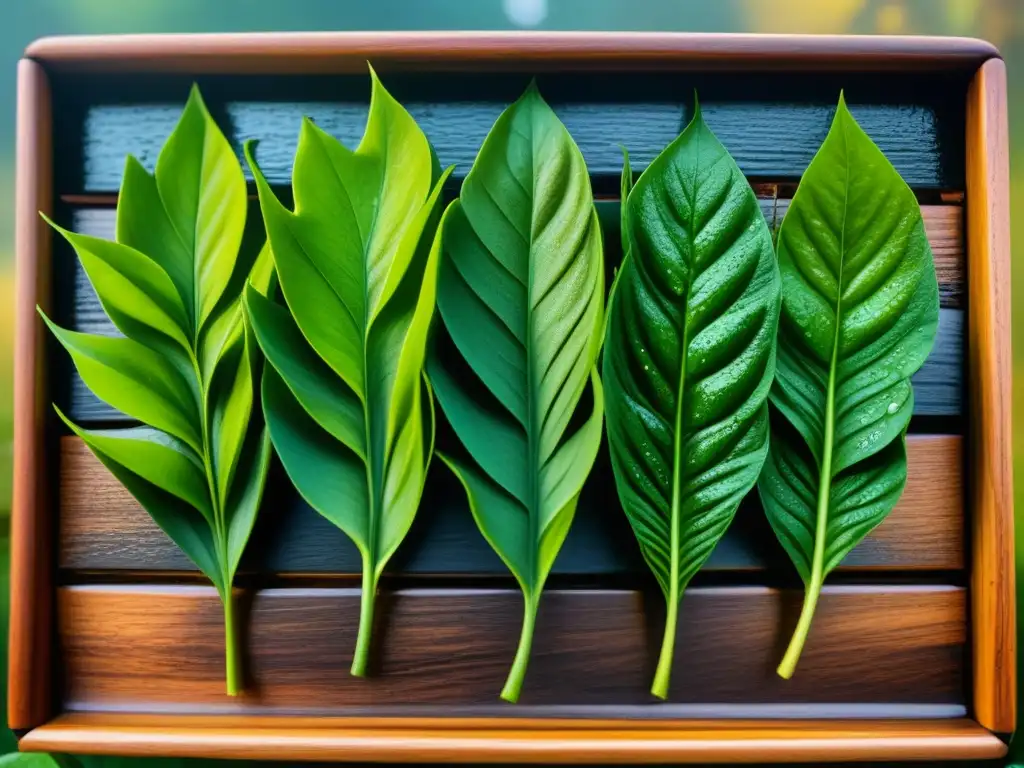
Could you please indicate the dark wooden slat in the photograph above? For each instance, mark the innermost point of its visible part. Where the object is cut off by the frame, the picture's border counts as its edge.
(146, 648)
(937, 386)
(911, 120)
(102, 527)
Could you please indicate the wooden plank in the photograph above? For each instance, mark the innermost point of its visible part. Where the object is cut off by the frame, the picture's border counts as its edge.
(103, 528)
(938, 386)
(28, 692)
(153, 648)
(768, 139)
(315, 52)
(486, 741)
(944, 225)
(990, 372)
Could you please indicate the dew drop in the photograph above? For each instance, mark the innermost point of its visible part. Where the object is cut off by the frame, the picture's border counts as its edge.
(647, 367)
(893, 407)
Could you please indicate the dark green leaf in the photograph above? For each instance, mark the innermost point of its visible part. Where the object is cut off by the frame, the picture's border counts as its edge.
(860, 307)
(689, 358)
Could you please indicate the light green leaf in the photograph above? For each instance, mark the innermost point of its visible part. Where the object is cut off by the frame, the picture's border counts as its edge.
(144, 224)
(173, 283)
(246, 493)
(230, 399)
(860, 308)
(202, 189)
(181, 520)
(189, 217)
(28, 760)
(344, 401)
(135, 380)
(521, 295)
(135, 292)
(688, 359)
(155, 457)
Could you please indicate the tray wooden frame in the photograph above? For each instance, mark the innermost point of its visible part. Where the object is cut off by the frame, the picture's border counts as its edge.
(992, 620)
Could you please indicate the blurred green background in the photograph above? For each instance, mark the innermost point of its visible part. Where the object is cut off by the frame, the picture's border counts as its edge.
(21, 21)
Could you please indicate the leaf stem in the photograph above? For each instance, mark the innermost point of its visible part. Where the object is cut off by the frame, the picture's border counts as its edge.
(663, 673)
(232, 665)
(363, 639)
(803, 626)
(514, 683)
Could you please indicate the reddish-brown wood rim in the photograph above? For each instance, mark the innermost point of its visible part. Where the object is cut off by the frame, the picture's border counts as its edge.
(527, 741)
(303, 52)
(989, 376)
(31, 543)
(515, 741)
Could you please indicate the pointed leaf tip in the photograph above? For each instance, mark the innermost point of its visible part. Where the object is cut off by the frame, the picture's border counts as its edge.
(195, 99)
(696, 104)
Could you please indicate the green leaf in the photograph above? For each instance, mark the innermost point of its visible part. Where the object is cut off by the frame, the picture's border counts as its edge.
(172, 283)
(190, 217)
(520, 292)
(860, 308)
(147, 451)
(155, 457)
(246, 493)
(343, 394)
(688, 359)
(135, 380)
(327, 400)
(28, 760)
(135, 292)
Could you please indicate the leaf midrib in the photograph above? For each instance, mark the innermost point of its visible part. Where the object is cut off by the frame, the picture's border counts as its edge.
(374, 457)
(531, 399)
(674, 533)
(825, 476)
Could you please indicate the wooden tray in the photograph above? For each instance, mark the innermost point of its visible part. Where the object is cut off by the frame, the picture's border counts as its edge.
(116, 643)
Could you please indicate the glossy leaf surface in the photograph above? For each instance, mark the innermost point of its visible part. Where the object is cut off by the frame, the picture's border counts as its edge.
(689, 358)
(521, 293)
(860, 308)
(344, 396)
(185, 367)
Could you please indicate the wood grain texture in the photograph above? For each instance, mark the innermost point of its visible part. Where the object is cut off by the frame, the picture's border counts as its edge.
(768, 139)
(309, 52)
(31, 604)
(151, 648)
(938, 386)
(102, 527)
(943, 225)
(990, 373)
(484, 741)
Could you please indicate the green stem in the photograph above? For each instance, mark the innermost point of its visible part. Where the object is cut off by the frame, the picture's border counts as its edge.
(796, 645)
(663, 673)
(803, 626)
(514, 683)
(365, 636)
(232, 659)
